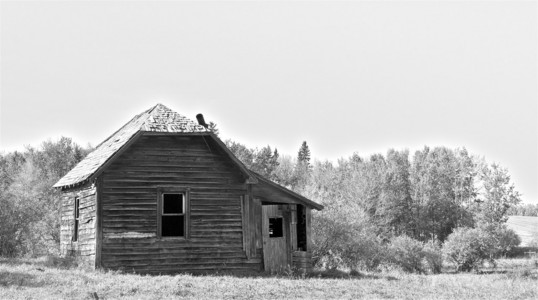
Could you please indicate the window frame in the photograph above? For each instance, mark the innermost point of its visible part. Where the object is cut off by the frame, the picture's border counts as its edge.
(186, 211)
(76, 220)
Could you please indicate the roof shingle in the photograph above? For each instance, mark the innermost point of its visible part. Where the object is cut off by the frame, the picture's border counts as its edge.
(156, 119)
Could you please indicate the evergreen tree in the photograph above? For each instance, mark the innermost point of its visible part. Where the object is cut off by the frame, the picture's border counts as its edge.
(303, 167)
(303, 156)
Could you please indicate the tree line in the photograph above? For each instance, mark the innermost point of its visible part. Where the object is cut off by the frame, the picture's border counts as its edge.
(369, 200)
(425, 196)
(382, 205)
(529, 210)
(29, 206)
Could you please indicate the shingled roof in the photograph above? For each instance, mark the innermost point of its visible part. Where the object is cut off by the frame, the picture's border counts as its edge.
(156, 119)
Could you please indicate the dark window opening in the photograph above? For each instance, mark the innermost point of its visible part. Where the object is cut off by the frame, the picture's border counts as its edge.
(173, 215)
(172, 204)
(275, 228)
(76, 215)
(301, 228)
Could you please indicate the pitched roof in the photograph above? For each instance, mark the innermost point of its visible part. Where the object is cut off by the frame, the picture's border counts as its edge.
(265, 184)
(159, 119)
(156, 119)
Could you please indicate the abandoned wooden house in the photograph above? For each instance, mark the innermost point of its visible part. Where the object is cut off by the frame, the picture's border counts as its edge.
(163, 194)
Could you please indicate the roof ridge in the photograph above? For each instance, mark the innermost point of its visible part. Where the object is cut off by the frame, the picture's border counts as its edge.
(124, 125)
(150, 111)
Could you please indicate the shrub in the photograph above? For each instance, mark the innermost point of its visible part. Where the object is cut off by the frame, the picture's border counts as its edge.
(413, 256)
(339, 242)
(407, 253)
(468, 248)
(433, 257)
(505, 239)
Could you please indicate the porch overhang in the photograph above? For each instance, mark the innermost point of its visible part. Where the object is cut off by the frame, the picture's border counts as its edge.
(270, 192)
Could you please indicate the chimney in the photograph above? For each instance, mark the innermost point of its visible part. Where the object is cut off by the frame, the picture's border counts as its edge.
(200, 119)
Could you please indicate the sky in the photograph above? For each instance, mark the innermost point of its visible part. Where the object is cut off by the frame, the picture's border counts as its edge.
(346, 76)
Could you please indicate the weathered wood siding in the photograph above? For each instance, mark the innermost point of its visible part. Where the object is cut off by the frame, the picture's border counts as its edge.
(85, 246)
(252, 227)
(302, 261)
(129, 208)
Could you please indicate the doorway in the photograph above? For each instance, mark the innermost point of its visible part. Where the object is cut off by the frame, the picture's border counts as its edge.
(275, 231)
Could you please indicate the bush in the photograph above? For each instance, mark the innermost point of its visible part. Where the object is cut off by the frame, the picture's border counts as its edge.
(407, 253)
(340, 243)
(468, 248)
(433, 257)
(413, 256)
(506, 240)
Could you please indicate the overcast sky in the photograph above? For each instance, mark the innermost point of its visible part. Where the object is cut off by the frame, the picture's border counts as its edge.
(344, 76)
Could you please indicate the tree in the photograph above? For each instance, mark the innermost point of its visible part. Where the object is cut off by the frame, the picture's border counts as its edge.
(30, 214)
(496, 194)
(303, 157)
(395, 207)
(441, 183)
(302, 167)
(213, 128)
(284, 172)
(244, 154)
(265, 162)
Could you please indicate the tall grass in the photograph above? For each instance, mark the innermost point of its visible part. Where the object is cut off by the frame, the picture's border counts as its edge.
(45, 279)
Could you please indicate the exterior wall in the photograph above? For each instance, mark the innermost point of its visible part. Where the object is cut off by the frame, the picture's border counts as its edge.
(130, 187)
(85, 246)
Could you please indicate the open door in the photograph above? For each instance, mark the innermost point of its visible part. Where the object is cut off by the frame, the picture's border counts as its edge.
(275, 230)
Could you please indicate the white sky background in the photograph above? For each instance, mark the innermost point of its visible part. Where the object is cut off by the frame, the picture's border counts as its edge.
(344, 76)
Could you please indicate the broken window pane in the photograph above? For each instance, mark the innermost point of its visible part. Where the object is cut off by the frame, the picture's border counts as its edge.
(275, 227)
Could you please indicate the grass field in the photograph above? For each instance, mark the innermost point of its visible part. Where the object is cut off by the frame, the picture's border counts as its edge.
(20, 279)
(525, 227)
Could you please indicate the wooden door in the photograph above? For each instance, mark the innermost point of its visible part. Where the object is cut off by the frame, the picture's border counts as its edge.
(275, 230)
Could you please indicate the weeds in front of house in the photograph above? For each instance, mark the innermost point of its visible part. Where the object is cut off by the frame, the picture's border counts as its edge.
(54, 278)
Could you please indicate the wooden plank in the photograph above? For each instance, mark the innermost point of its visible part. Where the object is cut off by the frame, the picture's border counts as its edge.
(251, 224)
(244, 228)
(257, 209)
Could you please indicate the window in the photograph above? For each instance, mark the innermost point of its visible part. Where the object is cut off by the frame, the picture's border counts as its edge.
(76, 216)
(173, 215)
(275, 227)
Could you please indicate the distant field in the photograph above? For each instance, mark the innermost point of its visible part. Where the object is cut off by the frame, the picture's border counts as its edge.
(525, 227)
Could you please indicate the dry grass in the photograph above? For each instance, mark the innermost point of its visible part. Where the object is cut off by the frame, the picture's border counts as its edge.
(46, 279)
